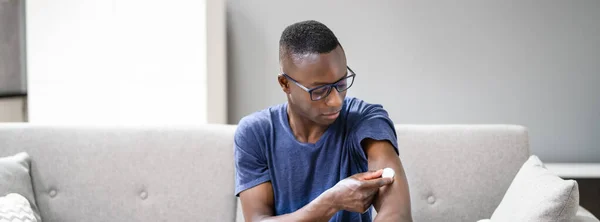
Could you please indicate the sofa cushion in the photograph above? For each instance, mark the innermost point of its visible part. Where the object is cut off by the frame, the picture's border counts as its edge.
(536, 194)
(583, 215)
(15, 208)
(15, 178)
(128, 173)
(460, 172)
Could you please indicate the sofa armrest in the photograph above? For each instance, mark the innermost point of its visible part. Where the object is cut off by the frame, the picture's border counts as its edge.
(584, 215)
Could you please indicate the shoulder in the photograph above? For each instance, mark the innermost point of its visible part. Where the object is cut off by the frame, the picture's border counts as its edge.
(358, 110)
(367, 120)
(257, 124)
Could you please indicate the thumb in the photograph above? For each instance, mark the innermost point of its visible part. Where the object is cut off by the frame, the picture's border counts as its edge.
(379, 182)
(369, 175)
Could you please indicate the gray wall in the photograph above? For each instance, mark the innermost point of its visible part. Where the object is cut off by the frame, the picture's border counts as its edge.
(12, 43)
(534, 63)
(12, 62)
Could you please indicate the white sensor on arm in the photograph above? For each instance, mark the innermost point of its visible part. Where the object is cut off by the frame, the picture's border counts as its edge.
(388, 173)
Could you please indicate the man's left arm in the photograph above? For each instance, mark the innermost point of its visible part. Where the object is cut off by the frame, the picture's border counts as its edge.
(393, 201)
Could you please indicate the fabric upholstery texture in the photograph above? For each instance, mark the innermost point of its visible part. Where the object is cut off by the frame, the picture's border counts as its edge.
(15, 208)
(15, 177)
(186, 173)
(99, 174)
(536, 194)
(583, 215)
(460, 172)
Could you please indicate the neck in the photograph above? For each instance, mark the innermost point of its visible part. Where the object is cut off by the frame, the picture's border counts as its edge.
(305, 130)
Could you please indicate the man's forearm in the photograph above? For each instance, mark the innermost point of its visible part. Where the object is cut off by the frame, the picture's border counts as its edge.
(320, 209)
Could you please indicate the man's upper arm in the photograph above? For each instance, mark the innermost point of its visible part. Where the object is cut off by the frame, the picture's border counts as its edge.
(251, 168)
(252, 178)
(257, 202)
(375, 134)
(392, 202)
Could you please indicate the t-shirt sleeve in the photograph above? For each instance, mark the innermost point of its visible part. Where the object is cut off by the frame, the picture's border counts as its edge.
(251, 167)
(373, 122)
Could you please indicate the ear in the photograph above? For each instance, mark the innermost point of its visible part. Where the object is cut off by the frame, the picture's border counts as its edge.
(284, 83)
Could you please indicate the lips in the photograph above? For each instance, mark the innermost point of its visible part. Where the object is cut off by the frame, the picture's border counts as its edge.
(332, 115)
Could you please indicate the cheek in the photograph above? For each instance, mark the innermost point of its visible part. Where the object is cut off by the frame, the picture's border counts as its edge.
(343, 94)
(311, 108)
(302, 100)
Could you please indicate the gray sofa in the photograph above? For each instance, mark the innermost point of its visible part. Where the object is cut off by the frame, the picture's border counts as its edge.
(186, 173)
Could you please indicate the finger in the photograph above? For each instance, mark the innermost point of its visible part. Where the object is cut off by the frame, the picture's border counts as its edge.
(379, 182)
(369, 175)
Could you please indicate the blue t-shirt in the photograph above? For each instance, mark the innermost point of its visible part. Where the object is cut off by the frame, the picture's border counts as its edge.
(266, 150)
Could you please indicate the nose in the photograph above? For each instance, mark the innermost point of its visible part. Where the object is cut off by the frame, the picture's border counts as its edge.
(334, 99)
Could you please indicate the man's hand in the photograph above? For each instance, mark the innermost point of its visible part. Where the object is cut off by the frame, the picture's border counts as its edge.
(356, 193)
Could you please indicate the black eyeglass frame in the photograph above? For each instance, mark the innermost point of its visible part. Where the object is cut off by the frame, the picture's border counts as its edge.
(331, 85)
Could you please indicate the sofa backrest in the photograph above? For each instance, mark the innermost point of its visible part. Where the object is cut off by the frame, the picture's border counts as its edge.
(128, 173)
(460, 172)
(455, 172)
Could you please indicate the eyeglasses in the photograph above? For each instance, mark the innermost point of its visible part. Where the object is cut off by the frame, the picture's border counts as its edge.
(321, 92)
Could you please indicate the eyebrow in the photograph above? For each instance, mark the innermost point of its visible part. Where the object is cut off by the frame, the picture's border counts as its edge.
(326, 83)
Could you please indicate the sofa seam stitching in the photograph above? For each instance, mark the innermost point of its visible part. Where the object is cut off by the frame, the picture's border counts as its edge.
(565, 205)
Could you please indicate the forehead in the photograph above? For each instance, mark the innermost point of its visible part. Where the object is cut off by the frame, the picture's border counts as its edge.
(316, 68)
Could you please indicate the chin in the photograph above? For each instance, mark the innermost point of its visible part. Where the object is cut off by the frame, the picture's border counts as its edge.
(325, 121)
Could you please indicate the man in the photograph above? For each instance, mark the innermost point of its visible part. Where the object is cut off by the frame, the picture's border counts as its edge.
(319, 156)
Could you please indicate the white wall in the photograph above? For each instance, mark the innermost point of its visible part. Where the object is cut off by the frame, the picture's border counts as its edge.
(119, 61)
(216, 38)
(534, 63)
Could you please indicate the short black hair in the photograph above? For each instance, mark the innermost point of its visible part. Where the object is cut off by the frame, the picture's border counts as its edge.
(306, 37)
